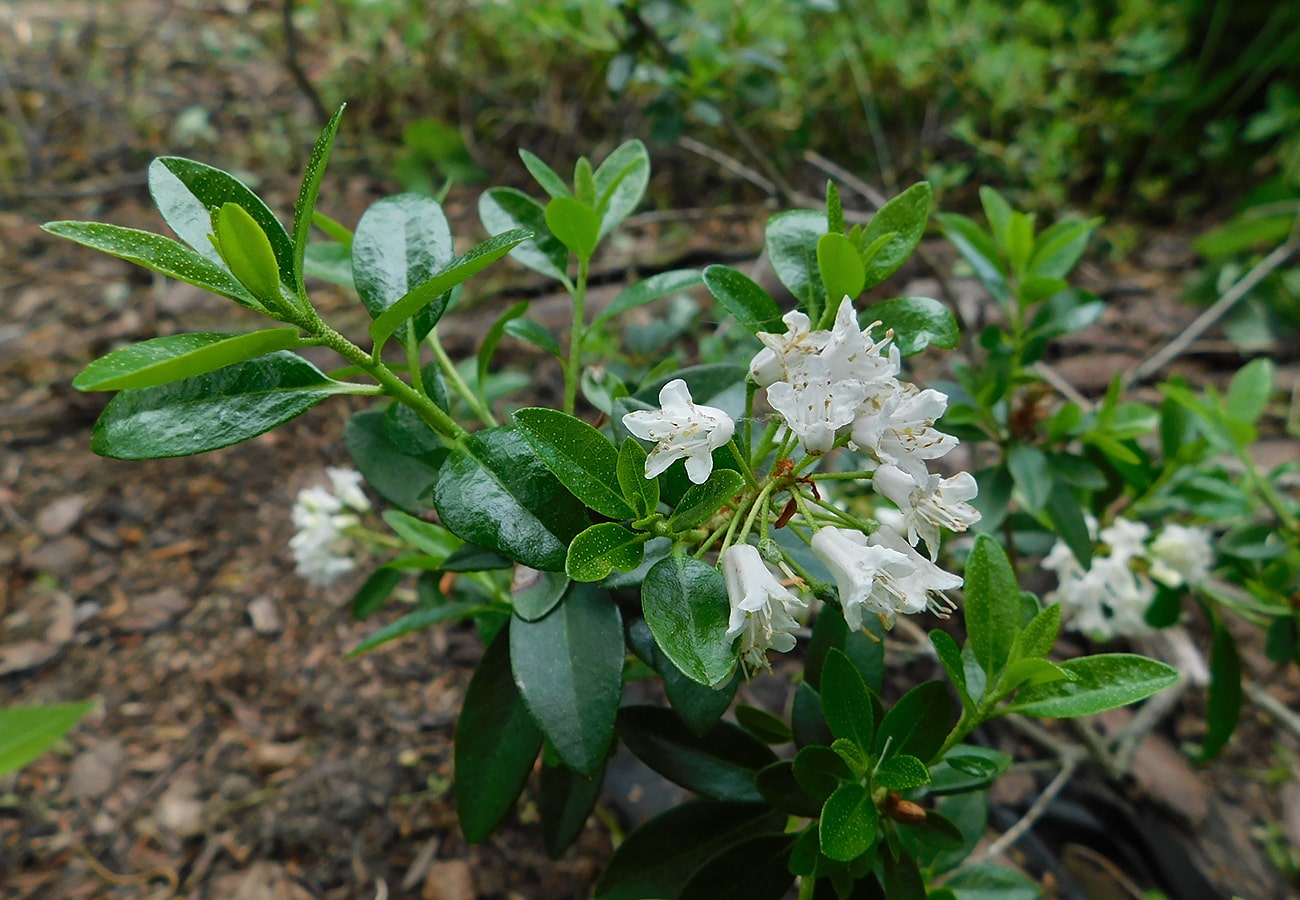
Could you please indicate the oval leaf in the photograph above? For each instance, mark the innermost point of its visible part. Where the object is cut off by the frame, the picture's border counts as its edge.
(841, 267)
(1101, 682)
(906, 217)
(165, 359)
(918, 322)
(846, 701)
(701, 501)
(501, 209)
(580, 456)
(603, 548)
(620, 184)
(848, 823)
(400, 242)
(686, 607)
(791, 241)
(574, 223)
(744, 298)
(992, 604)
(722, 764)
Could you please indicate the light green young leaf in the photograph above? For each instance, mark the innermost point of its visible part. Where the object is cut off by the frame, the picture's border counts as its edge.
(1058, 249)
(534, 333)
(601, 549)
(906, 217)
(247, 252)
(584, 181)
(27, 731)
(1101, 682)
(841, 268)
(171, 358)
(545, 176)
(1019, 242)
(641, 492)
(998, 213)
(575, 224)
(1249, 391)
(620, 183)
(305, 208)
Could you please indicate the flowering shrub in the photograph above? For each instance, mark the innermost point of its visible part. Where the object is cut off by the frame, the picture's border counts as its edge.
(587, 556)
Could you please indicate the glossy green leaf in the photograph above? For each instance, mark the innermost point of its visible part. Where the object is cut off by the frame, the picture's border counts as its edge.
(427, 537)
(906, 217)
(304, 210)
(247, 253)
(918, 723)
(977, 249)
(569, 668)
(846, 701)
(966, 768)
(1249, 392)
(375, 591)
(210, 411)
(945, 647)
(603, 548)
(900, 773)
(658, 858)
(534, 333)
(779, 787)
(565, 800)
(188, 193)
(641, 492)
(686, 607)
(1026, 673)
(867, 654)
(620, 183)
(1039, 636)
(992, 600)
(545, 176)
(165, 359)
(701, 501)
(399, 477)
(989, 882)
(502, 209)
(574, 224)
(1031, 474)
(493, 491)
(848, 823)
(648, 290)
(698, 706)
(1223, 700)
(744, 298)
(791, 241)
(535, 593)
(842, 272)
(918, 322)
(496, 744)
(159, 254)
(763, 725)
(1059, 248)
(581, 457)
(754, 869)
(418, 620)
(27, 731)
(427, 296)
(820, 770)
(1101, 682)
(722, 764)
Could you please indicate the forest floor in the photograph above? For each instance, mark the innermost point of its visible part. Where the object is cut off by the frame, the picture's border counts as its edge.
(233, 751)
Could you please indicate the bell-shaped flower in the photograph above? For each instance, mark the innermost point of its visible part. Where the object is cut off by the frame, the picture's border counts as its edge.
(923, 588)
(901, 431)
(682, 430)
(322, 545)
(869, 578)
(783, 353)
(853, 356)
(814, 405)
(1107, 600)
(762, 609)
(1126, 539)
(929, 505)
(1181, 555)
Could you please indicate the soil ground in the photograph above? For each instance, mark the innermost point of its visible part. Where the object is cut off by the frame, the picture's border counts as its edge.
(233, 751)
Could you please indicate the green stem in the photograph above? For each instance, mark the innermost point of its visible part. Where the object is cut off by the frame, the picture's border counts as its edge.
(744, 464)
(412, 347)
(458, 384)
(573, 370)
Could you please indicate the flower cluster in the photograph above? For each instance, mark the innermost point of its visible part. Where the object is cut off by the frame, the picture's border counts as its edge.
(321, 546)
(1110, 598)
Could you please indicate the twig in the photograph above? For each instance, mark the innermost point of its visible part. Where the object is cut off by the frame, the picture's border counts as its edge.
(1069, 764)
(851, 181)
(1063, 387)
(730, 163)
(1265, 700)
(1243, 286)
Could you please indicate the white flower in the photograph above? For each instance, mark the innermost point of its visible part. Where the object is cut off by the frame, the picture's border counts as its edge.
(1126, 539)
(321, 545)
(1180, 554)
(1106, 601)
(814, 405)
(761, 607)
(782, 353)
(924, 588)
(868, 577)
(929, 505)
(901, 431)
(683, 430)
(851, 353)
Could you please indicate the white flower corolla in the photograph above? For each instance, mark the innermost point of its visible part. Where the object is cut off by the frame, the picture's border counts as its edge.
(782, 353)
(853, 356)
(762, 609)
(681, 429)
(814, 405)
(321, 545)
(923, 588)
(901, 430)
(870, 578)
(930, 504)
(1126, 539)
(1107, 600)
(1181, 555)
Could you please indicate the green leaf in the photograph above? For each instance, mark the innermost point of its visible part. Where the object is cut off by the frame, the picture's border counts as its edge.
(159, 254)
(400, 478)
(1101, 682)
(210, 411)
(906, 216)
(1031, 474)
(27, 731)
(603, 548)
(950, 658)
(741, 296)
(569, 668)
(493, 491)
(418, 620)
(492, 337)
(581, 457)
(867, 653)
(685, 604)
(700, 707)
(621, 181)
(458, 270)
(535, 593)
(848, 823)
(917, 724)
(992, 601)
(501, 209)
(165, 359)
(1066, 515)
(998, 213)
(966, 768)
(763, 725)
(247, 253)
(989, 882)
(1059, 248)
(820, 770)
(575, 224)
(902, 878)
(188, 193)
(496, 744)
(658, 858)
(977, 249)
(1249, 391)
(846, 700)
(374, 592)
(1029, 672)
(641, 492)
(791, 241)
(1223, 700)
(545, 176)
(778, 785)
(1018, 241)
(534, 333)
(841, 267)
(427, 537)
(400, 243)
(1037, 638)
(918, 322)
(648, 290)
(755, 869)
(900, 773)
(329, 261)
(701, 501)
(722, 764)
(305, 208)
(565, 800)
